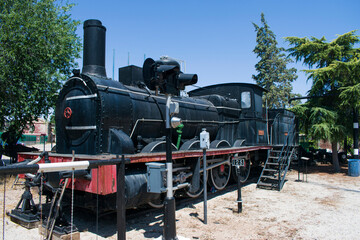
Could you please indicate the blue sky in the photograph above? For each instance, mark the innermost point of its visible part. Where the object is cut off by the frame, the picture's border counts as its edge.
(214, 38)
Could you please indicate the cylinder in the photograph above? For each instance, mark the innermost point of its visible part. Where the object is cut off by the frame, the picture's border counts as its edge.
(94, 48)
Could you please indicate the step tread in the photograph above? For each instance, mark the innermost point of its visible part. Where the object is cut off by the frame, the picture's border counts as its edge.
(267, 184)
(272, 163)
(270, 177)
(271, 169)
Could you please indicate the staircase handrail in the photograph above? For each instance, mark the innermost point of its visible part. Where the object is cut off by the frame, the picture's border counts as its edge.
(284, 159)
(272, 125)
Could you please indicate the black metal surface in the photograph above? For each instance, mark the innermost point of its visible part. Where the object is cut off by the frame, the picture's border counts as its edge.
(195, 180)
(169, 219)
(239, 200)
(148, 73)
(280, 124)
(136, 189)
(25, 212)
(94, 48)
(120, 200)
(119, 142)
(229, 107)
(205, 185)
(241, 121)
(118, 108)
(60, 229)
(234, 91)
(16, 169)
(165, 75)
(131, 75)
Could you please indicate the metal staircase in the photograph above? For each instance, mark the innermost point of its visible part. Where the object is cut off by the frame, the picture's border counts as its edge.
(277, 164)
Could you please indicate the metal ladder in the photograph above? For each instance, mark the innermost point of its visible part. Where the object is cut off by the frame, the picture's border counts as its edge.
(277, 164)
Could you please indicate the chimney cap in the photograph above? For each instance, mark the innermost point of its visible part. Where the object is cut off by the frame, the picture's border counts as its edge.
(93, 23)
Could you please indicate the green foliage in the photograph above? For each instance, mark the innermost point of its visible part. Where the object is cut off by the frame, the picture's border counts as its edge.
(319, 53)
(335, 81)
(335, 90)
(320, 123)
(273, 74)
(38, 47)
(347, 75)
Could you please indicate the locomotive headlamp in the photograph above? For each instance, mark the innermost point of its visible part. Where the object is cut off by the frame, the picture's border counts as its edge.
(166, 76)
(186, 79)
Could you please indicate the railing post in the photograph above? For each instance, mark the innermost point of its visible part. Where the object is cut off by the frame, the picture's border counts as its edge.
(205, 187)
(169, 231)
(239, 200)
(204, 144)
(120, 199)
(279, 176)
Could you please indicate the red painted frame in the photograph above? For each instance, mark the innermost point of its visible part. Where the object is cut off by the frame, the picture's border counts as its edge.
(104, 178)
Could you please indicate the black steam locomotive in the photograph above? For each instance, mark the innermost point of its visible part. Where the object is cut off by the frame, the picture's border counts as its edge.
(97, 116)
(92, 110)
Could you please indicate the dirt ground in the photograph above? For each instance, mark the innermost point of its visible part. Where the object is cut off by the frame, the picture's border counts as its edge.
(325, 207)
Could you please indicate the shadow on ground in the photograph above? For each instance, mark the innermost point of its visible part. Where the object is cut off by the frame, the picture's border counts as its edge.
(149, 221)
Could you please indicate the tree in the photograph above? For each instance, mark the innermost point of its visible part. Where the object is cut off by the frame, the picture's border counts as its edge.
(335, 83)
(38, 48)
(273, 74)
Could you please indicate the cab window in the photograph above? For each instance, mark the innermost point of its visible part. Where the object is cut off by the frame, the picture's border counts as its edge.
(245, 99)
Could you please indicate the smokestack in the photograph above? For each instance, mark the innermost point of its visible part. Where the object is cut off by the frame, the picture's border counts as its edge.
(94, 48)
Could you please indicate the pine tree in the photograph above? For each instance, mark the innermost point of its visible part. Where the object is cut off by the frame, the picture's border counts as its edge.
(273, 74)
(335, 89)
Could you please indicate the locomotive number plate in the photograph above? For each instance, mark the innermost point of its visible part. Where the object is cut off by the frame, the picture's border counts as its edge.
(238, 162)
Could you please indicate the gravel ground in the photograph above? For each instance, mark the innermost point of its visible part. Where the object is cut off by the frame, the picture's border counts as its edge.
(325, 207)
